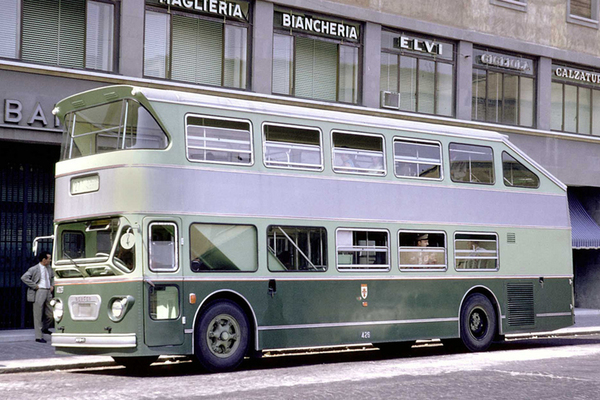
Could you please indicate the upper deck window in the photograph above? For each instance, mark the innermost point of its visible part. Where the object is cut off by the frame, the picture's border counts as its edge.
(417, 159)
(358, 153)
(292, 147)
(471, 164)
(516, 174)
(121, 125)
(218, 140)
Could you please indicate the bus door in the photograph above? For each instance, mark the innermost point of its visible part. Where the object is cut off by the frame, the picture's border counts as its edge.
(163, 283)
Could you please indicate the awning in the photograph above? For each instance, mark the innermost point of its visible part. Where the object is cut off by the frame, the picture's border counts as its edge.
(585, 233)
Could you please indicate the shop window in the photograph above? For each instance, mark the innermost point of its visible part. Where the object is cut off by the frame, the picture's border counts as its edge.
(209, 48)
(10, 24)
(220, 247)
(516, 174)
(315, 57)
(362, 250)
(476, 251)
(503, 89)
(218, 140)
(358, 154)
(66, 33)
(417, 159)
(575, 101)
(292, 147)
(471, 164)
(417, 74)
(296, 248)
(422, 250)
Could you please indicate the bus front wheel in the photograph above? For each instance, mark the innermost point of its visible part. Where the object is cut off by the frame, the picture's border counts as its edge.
(477, 323)
(221, 337)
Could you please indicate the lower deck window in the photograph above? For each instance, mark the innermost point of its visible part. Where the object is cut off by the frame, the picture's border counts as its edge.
(359, 250)
(164, 302)
(297, 248)
(476, 251)
(422, 250)
(220, 247)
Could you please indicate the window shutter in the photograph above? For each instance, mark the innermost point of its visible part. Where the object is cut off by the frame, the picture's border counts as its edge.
(197, 50)
(157, 44)
(54, 32)
(9, 25)
(316, 69)
(99, 36)
(40, 31)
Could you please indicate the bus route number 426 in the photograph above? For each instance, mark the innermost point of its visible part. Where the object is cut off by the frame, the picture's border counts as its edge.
(365, 335)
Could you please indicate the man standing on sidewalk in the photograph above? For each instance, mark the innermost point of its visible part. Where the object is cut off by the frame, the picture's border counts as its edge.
(40, 282)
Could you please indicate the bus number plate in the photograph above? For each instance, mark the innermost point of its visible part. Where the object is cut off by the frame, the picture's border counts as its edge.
(365, 335)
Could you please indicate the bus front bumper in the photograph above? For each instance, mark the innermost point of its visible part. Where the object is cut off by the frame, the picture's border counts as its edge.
(94, 340)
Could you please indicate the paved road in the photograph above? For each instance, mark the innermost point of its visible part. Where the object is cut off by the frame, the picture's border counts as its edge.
(531, 369)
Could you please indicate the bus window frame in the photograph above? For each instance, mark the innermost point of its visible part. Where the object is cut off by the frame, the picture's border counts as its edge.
(356, 171)
(324, 255)
(176, 247)
(477, 269)
(469, 182)
(364, 269)
(418, 141)
(222, 271)
(292, 126)
(524, 166)
(179, 302)
(250, 131)
(445, 248)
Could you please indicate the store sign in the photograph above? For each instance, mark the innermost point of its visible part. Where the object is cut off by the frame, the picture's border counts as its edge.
(224, 8)
(577, 75)
(316, 25)
(420, 45)
(15, 113)
(508, 62)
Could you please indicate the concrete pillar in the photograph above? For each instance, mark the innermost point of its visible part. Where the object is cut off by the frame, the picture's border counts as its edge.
(262, 47)
(543, 110)
(371, 71)
(131, 44)
(464, 78)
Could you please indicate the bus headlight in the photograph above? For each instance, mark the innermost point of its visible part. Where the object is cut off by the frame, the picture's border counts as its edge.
(58, 310)
(118, 307)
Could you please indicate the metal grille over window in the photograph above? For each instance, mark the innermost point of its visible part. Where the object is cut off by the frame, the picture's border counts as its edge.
(516, 174)
(359, 154)
(359, 250)
(218, 140)
(292, 147)
(220, 247)
(297, 248)
(422, 251)
(471, 164)
(476, 251)
(417, 159)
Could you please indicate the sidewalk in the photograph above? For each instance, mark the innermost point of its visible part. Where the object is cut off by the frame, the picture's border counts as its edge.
(19, 352)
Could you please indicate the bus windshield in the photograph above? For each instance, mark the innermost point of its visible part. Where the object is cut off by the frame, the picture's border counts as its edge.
(120, 125)
(95, 248)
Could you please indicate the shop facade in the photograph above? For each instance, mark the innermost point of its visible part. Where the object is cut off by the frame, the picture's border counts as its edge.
(412, 63)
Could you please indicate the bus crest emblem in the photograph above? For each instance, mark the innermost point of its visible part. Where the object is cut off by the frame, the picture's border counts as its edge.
(364, 291)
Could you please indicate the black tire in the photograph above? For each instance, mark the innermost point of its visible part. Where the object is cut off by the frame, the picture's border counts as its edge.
(135, 363)
(222, 336)
(478, 323)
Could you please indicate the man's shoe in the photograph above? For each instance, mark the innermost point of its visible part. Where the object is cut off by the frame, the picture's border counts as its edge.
(41, 340)
(46, 331)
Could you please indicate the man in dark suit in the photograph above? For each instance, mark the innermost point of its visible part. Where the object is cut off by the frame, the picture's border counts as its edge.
(40, 284)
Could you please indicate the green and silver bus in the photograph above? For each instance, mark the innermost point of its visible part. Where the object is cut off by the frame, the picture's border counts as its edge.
(201, 225)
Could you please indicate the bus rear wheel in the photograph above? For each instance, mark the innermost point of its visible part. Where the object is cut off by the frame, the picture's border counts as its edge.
(477, 323)
(221, 337)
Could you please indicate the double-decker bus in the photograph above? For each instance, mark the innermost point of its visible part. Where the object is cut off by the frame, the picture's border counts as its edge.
(194, 224)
